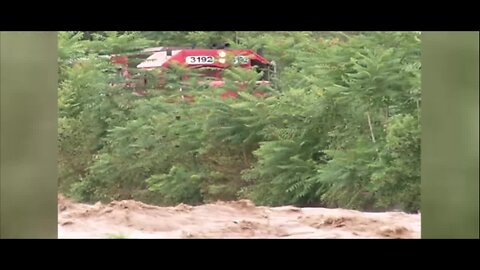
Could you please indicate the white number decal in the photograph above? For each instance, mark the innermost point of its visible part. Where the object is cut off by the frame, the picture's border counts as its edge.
(199, 60)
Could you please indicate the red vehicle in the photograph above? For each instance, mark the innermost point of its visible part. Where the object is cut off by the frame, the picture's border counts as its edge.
(210, 64)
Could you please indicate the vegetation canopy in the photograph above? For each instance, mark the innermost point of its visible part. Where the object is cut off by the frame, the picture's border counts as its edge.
(339, 127)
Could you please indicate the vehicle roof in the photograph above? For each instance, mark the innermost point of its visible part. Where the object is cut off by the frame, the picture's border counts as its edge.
(159, 58)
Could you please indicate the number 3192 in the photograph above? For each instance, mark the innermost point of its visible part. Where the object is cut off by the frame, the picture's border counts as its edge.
(198, 60)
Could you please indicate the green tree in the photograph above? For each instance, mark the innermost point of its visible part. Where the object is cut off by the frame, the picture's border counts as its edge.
(339, 128)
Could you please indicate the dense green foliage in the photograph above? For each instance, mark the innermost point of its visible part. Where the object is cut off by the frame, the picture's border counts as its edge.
(340, 128)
